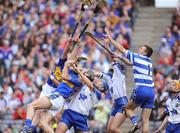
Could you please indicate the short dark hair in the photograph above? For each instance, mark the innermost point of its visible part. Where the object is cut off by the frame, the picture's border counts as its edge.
(149, 51)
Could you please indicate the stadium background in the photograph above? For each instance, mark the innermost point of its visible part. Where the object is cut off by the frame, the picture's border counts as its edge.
(33, 34)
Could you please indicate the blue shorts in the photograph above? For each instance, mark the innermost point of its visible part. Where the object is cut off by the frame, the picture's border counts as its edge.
(173, 128)
(77, 120)
(143, 96)
(118, 106)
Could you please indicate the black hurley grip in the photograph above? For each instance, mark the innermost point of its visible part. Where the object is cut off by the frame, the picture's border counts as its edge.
(83, 30)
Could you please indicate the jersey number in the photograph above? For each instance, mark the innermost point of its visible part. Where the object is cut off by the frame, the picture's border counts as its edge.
(83, 97)
(174, 112)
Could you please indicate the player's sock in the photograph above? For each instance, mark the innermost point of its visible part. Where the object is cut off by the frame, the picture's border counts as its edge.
(134, 120)
(28, 122)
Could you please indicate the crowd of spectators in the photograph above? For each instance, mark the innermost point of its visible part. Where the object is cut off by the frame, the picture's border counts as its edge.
(33, 34)
(168, 65)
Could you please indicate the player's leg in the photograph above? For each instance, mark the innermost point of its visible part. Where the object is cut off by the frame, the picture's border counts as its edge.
(45, 122)
(131, 106)
(36, 119)
(113, 113)
(40, 103)
(65, 122)
(139, 97)
(147, 108)
(145, 119)
(117, 122)
(57, 103)
(110, 121)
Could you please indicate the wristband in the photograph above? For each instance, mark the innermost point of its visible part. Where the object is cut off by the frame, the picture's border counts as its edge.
(51, 77)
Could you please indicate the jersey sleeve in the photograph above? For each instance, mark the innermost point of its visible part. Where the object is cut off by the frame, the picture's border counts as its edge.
(98, 94)
(130, 56)
(61, 62)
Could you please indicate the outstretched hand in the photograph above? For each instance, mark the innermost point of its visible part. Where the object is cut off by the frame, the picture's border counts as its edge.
(70, 62)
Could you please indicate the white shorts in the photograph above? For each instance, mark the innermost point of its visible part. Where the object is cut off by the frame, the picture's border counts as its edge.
(47, 91)
(56, 100)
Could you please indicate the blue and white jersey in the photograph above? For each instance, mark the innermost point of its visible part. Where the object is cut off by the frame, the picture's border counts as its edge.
(142, 69)
(84, 100)
(116, 81)
(173, 109)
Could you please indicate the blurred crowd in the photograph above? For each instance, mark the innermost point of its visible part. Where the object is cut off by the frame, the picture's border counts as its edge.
(33, 34)
(168, 65)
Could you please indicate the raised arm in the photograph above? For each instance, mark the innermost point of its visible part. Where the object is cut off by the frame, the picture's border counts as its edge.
(67, 49)
(116, 44)
(125, 60)
(65, 73)
(75, 51)
(84, 78)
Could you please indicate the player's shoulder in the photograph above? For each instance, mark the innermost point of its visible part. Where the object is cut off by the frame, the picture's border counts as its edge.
(97, 93)
(120, 65)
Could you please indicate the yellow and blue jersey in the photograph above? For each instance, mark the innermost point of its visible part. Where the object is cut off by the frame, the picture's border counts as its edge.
(57, 72)
(68, 88)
